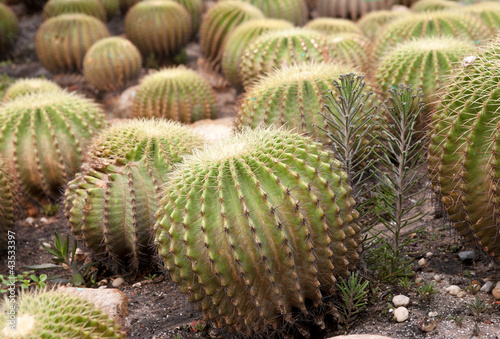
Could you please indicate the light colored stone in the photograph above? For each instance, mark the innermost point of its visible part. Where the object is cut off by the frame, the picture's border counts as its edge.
(487, 287)
(29, 220)
(44, 220)
(400, 300)
(214, 129)
(136, 285)
(401, 314)
(497, 284)
(422, 262)
(111, 301)
(433, 314)
(453, 289)
(496, 293)
(437, 278)
(419, 280)
(429, 254)
(360, 336)
(118, 282)
(461, 294)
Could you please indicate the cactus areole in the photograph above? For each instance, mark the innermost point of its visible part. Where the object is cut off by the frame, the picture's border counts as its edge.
(256, 227)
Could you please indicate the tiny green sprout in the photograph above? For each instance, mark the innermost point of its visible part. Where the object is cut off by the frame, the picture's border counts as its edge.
(426, 290)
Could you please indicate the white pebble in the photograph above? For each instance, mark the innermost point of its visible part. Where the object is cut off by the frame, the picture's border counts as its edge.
(118, 282)
(400, 300)
(422, 262)
(437, 278)
(44, 220)
(433, 314)
(29, 220)
(401, 314)
(461, 294)
(453, 289)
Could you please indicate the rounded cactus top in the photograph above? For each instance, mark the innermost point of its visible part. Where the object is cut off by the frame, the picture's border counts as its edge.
(90, 7)
(372, 23)
(488, 11)
(136, 139)
(26, 86)
(333, 25)
(433, 5)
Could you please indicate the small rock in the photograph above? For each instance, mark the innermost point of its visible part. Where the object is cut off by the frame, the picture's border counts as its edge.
(466, 256)
(422, 262)
(419, 280)
(401, 314)
(497, 284)
(496, 293)
(427, 325)
(29, 220)
(118, 282)
(433, 314)
(487, 287)
(214, 129)
(400, 300)
(437, 278)
(429, 254)
(453, 289)
(137, 285)
(79, 254)
(461, 294)
(467, 61)
(103, 282)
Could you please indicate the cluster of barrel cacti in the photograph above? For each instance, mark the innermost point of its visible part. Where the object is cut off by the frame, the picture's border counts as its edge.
(258, 227)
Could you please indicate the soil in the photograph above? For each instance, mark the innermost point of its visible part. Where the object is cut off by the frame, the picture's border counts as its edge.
(157, 309)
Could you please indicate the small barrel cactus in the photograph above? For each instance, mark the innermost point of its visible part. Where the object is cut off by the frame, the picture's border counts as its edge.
(293, 96)
(112, 202)
(256, 227)
(446, 23)
(90, 7)
(353, 9)
(240, 39)
(159, 28)
(373, 23)
(62, 41)
(333, 26)
(8, 201)
(27, 86)
(195, 9)
(52, 314)
(284, 47)
(488, 11)
(349, 48)
(219, 22)
(9, 28)
(112, 62)
(43, 138)
(294, 11)
(464, 148)
(178, 94)
(110, 6)
(433, 5)
(423, 63)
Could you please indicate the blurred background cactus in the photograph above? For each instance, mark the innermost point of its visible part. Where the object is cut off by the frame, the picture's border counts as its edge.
(278, 234)
(487, 11)
(333, 25)
(195, 9)
(27, 86)
(8, 203)
(178, 94)
(62, 41)
(349, 48)
(434, 5)
(372, 23)
(9, 28)
(352, 9)
(43, 138)
(111, 63)
(89, 7)
(240, 39)
(110, 6)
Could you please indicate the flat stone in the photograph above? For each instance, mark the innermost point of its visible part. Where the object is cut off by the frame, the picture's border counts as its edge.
(401, 314)
(360, 336)
(487, 287)
(214, 129)
(400, 300)
(453, 289)
(111, 301)
(466, 256)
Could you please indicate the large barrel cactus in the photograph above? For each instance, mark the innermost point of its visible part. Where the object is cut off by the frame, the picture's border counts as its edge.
(8, 203)
(257, 228)
(349, 48)
(464, 149)
(51, 314)
(43, 137)
(111, 63)
(488, 11)
(112, 202)
(178, 94)
(350, 8)
(9, 28)
(373, 23)
(27, 86)
(240, 39)
(333, 26)
(195, 9)
(62, 41)
(284, 47)
(158, 28)
(90, 7)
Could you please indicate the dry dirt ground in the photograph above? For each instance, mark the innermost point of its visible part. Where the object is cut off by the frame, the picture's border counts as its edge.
(157, 309)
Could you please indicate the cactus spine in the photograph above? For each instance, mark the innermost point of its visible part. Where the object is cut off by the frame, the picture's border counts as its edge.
(349, 48)
(353, 9)
(43, 137)
(279, 233)
(219, 22)
(8, 201)
(112, 62)
(284, 47)
(240, 39)
(464, 146)
(332, 26)
(373, 23)
(89, 7)
(9, 28)
(178, 93)
(433, 5)
(158, 27)
(27, 86)
(62, 41)
(51, 314)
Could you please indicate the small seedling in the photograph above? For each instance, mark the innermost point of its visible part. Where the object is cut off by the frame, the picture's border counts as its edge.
(151, 277)
(198, 326)
(353, 292)
(405, 283)
(478, 308)
(23, 280)
(459, 320)
(426, 290)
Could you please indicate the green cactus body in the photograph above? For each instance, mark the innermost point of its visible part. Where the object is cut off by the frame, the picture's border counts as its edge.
(27, 86)
(292, 97)
(125, 5)
(240, 39)
(110, 6)
(433, 5)
(349, 48)
(178, 94)
(464, 145)
(89, 7)
(257, 226)
(424, 63)
(112, 202)
(353, 9)
(9, 28)
(111, 63)
(488, 11)
(51, 314)
(284, 47)
(8, 202)
(294, 11)
(195, 9)
(330, 26)
(159, 27)
(43, 137)
(447, 23)
(219, 22)
(373, 23)
(62, 41)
